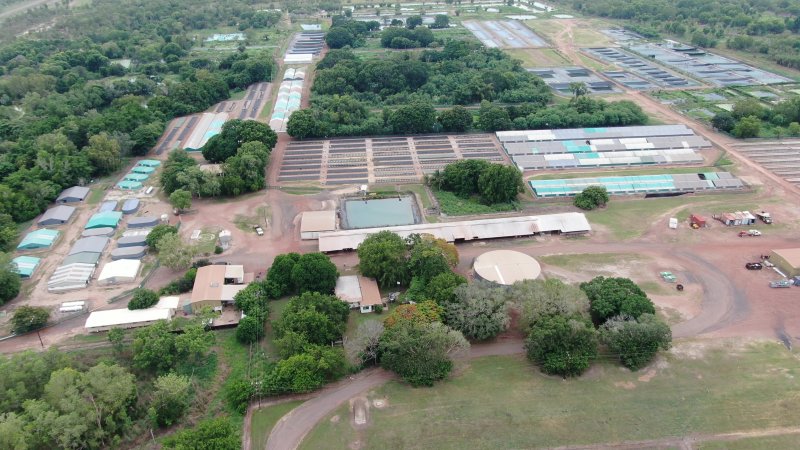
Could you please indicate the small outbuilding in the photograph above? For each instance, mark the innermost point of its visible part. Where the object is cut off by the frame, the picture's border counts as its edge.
(37, 239)
(132, 241)
(130, 206)
(74, 194)
(143, 222)
(102, 231)
(92, 244)
(108, 219)
(788, 260)
(136, 252)
(108, 205)
(506, 267)
(360, 293)
(314, 222)
(697, 221)
(25, 265)
(122, 271)
(58, 215)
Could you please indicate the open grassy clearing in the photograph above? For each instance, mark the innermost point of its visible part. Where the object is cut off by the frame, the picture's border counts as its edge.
(538, 57)
(260, 216)
(453, 205)
(264, 420)
(302, 190)
(628, 219)
(503, 402)
(583, 261)
(754, 443)
(584, 33)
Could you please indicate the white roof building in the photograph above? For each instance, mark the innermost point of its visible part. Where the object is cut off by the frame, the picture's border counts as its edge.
(566, 223)
(126, 318)
(120, 271)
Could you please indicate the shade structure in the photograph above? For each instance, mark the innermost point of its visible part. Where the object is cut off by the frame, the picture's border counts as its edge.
(122, 271)
(25, 265)
(149, 163)
(136, 252)
(102, 231)
(108, 219)
(73, 194)
(92, 244)
(132, 241)
(143, 222)
(38, 239)
(130, 206)
(136, 177)
(143, 169)
(129, 185)
(108, 205)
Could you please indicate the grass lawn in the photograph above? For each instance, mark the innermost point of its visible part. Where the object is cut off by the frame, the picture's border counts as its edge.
(260, 216)
(577, 262)
(302, 190)
(264, 420)
(504, 402)
(538, 57)
(357, 318)
(453, 205)
(96, 194)
(753, 443)
(275, 310)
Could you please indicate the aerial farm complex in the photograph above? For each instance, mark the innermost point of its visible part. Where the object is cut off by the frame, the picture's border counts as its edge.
(330, 204)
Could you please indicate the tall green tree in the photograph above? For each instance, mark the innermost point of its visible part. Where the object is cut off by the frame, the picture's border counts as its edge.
(210, 434)
(315, 272)
(636, 341)
(609, 297)
(500, 184)
(235, 133)
(383, 256)
(9, 279)
(479, 311)
(181, 200)
(421, 353)
(562, 345)
(28, 318)
(174, 253)
(170, 399)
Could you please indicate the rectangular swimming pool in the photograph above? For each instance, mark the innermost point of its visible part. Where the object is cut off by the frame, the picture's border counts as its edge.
(380, 212)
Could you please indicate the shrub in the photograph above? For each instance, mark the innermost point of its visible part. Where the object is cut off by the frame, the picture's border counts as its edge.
(142, 298)
(28, 318)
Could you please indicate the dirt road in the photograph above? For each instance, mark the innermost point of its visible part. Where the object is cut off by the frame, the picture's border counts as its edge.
(24, 6)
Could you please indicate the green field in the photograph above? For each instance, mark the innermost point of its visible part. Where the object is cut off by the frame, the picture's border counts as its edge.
(538, 57)
(453, 205)
(503, 402)
(264, 420)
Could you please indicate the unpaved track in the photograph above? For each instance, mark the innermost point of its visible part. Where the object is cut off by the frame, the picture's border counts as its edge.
(24, 6)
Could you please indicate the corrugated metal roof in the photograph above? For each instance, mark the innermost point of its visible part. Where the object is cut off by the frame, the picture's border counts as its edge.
(60, 213)
(126, 316)
(467, 230)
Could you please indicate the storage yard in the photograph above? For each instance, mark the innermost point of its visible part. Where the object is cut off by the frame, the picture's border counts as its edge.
(390, 159)
(504, 34)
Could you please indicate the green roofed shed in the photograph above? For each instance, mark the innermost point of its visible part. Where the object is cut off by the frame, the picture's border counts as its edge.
(136, 177)
(108, 219)
(25, 265)
(143, 169)
(38, 239)
(129, 185)
(150, 163)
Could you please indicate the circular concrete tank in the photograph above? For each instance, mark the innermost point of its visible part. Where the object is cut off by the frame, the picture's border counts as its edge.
(506, 267)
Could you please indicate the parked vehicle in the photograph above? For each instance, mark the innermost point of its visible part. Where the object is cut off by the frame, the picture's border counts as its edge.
(765, 217)
(259, 230)
(753, 266)
(749, 233)
(668, 277)
(780, 284)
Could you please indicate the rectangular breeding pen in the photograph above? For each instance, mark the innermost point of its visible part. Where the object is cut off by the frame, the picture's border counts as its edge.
(639, 185)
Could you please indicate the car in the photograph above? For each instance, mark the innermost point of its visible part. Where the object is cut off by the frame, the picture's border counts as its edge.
(259, 230)
(753, 266)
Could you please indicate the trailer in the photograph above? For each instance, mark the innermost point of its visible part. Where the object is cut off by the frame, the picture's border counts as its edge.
(780, 284)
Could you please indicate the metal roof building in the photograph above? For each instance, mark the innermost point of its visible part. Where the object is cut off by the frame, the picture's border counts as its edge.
(82, 258)
(468, 230)
(73, 195)
(102, 231)
(143, 222)
(108, 205)
(313, 222)
(57, 215)
(132, 241)
(126, 318)
(506, 267)
(639, 185)
(108, 219)
(136, 252)
(92, 244)
(130, 206)
(143, 169)
(594, 133)
(69, 277)
(122, 271)
(38, 239)
(788, 260)
(25, 265)
(149, 163)
(128, 185)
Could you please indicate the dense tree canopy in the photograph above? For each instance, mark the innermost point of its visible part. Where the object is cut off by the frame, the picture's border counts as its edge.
(421, 353)
(636, 341)
(210, 434)
(383, 256)
(591, 197)
(142, 298)
(494, 183)
(479, 311)
(562, 345)
(9, 279)
(28, 318)
(320, 319)
(314, 272)
(609, 297)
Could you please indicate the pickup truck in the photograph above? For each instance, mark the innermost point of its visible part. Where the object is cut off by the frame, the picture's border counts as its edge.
(749, 233)
(780, 284)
